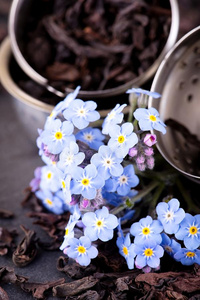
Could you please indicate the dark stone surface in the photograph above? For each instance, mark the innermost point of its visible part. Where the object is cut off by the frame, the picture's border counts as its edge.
(18, 159)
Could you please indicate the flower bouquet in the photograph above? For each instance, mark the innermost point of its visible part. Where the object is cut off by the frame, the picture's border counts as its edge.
(96, 174)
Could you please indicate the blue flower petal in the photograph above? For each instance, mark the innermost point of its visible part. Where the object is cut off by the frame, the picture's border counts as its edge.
(106, 235)
(191, 242)
(92, 252)
(91, 233)
(140, 261)
(83, 260)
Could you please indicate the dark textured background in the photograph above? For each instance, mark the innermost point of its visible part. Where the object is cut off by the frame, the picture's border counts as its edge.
(19, 158)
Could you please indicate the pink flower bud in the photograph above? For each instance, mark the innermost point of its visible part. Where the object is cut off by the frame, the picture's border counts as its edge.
(65, 251)
(133, 152)
(150, 162)
(141, 167)
(137, 266)
(146, 269)
(150, 139)
(73, 201)
(84, 203)
(148, 151)
(140, 159)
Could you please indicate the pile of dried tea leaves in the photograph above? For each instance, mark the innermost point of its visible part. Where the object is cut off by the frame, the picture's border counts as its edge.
(97, 44)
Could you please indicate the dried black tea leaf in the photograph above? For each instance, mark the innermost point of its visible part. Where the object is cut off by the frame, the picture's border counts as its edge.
(8, 275)
(84, 42)
(7, 240)
(75, 287)
(184, 131)
(53, 224)
(182, 283)
(89, 295)
(3, 294)
(38, 289)
(6, 214)
(73, 269)
(26, 250)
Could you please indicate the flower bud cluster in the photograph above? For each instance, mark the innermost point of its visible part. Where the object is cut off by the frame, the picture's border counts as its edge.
(142, 153)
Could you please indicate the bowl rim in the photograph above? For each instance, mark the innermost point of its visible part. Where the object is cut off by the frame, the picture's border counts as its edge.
(138, 81)
(12, 88)
(9, 84)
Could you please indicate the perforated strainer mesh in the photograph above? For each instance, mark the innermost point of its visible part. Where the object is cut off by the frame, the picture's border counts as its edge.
(178, 81)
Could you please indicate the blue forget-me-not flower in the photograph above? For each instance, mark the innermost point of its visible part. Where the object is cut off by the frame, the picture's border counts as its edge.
(139, 91)
(91, 136)
(126, 249)
(107, 162)
(81, 250)
(189, 231)
(170, 215)
(70, 157)
(58, 135)
(147, 229)
(122, 139)
(148, 254)
(149, 119)
(52, 201)
(114, 117)
(170, 245)
(86, 181)
(99, 224)
(81, 113)
(126, 181)
(188, 257)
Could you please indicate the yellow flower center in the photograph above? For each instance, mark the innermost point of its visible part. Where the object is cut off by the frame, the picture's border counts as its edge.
(58, 135)
(190, 254)
(51, 114)
(125, 250)
(85, 181)
(81, 112)
(99, 223)
(123, 179)
(193, 230)
(145, 230)
(49, 175)
(121, 139)
(81, 249)
(69, 159)
(110, 116)
(152, 118)
(66, 231)
(168, 248)
(49, 202)
(88, 137)
(63, 184)
(148, 252)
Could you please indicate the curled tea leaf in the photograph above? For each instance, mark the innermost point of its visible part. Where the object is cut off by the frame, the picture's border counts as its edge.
(26, 250)
(6, 240)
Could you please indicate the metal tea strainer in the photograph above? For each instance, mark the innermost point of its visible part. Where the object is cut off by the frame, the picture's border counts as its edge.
(178, 81)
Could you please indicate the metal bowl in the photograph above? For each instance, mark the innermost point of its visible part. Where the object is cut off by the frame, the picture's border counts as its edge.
(178, 81)
(20, 10)
(32, 112)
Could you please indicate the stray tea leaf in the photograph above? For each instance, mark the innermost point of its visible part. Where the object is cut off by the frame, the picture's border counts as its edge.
(26, 250)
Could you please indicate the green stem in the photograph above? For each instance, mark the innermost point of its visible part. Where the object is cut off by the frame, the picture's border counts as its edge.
(156, 196)
(140, 195)
(133, 105)
(191, 206)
